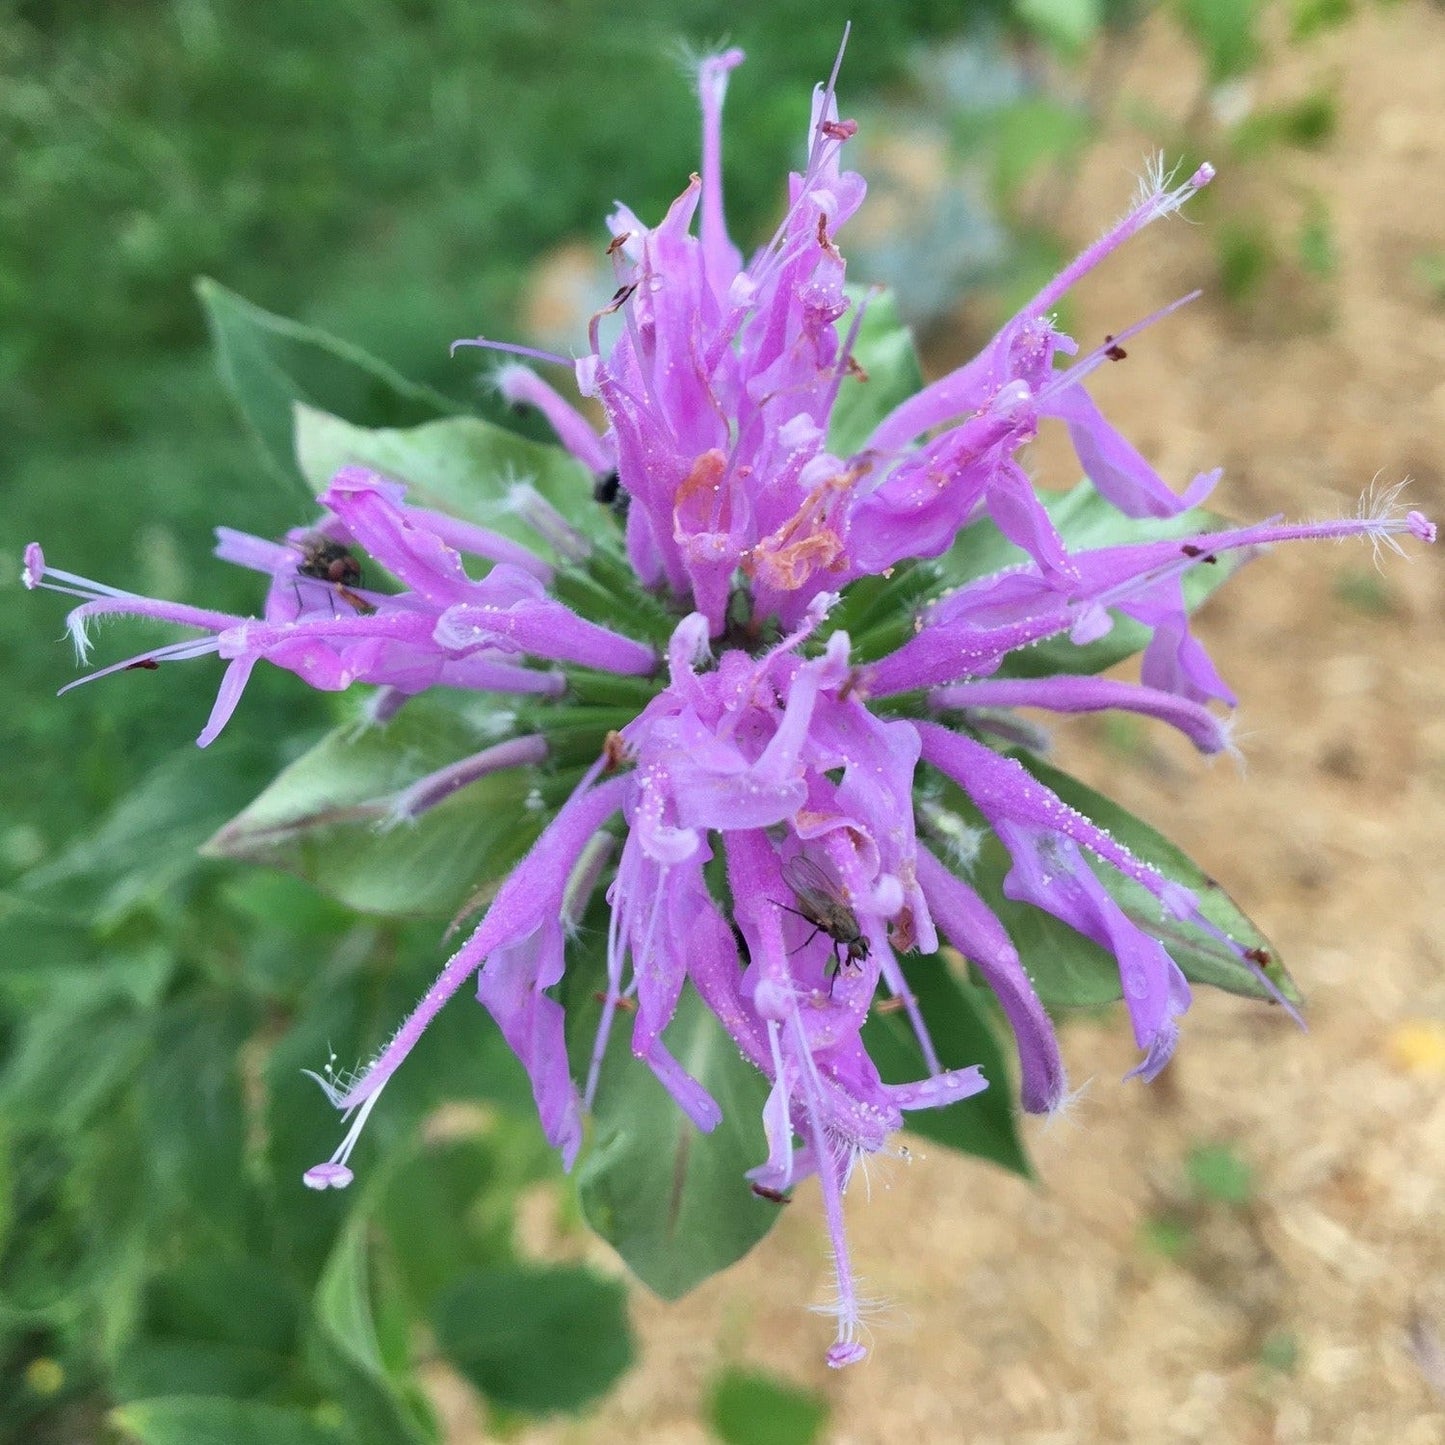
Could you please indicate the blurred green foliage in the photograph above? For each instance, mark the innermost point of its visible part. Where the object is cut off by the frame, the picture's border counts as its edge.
(1220, 1174)
(1244, 254)
(1429, 270)
(1309, 17)
(1226, 33)
(1279, 1351)
(746, 1407)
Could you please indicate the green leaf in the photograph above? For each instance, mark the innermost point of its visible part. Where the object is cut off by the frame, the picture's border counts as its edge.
(534, 1337)
(214, 1326)
(1086, 520)
(1203, 958)
(149, 841)
(1225, 31)
(958, 1021)
(8, 1190)
(748, 1408)
(463, 466)
(1218, 1172)
(1316, 243)
(1307, 17)
(879, 612)
(1280, 1351)
(1308, 122)
(1245, 254)
(322, 817)
(192, 1111)
(671, 1200)
(1067, 25)
(1067, 969)
(884, 349)
(1033, 132)
(349, 1351)
(43, 1086)
(448, 1209)
(268, 364)
(195, 1420)
(286, 925)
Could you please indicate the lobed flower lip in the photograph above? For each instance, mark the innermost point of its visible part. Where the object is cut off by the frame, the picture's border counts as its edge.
(760, 748)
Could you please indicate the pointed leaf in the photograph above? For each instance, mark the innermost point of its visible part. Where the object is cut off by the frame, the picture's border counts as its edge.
(958, 1021)
(148, 841)
(1067, 969)
(536, 1338)
(323, 817)
(349, 1351)
(42, 1086)
(885, 350)
(671, 1200)
(1203, 958)
(269, 363)
(463, 466)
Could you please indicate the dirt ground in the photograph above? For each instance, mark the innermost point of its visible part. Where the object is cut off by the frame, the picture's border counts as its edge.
(1039, 1313)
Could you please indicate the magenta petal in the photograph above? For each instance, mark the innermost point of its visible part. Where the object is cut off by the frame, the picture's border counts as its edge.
(501, 613)
(939, 1090)
(1050, 872)
(971, 926)
(1112, 463)
(522, 386)
(381, 524)
(511, 985)
(233, 684)
(1070, 694)
(1007, 794)
(529, 899)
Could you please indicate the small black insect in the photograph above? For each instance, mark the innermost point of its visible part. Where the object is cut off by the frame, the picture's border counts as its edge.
(608, 491)
(821, 903)
(773, 1196)
(325, 560)
(329, 561)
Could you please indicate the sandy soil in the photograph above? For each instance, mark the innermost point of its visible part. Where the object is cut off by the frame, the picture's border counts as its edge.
(1037, 1314)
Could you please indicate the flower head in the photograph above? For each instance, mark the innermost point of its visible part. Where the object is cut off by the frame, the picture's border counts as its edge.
(813, 678)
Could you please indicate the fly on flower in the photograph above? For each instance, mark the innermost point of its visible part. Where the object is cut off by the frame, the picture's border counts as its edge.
(325, 560)
(328, 561)
(821, 903)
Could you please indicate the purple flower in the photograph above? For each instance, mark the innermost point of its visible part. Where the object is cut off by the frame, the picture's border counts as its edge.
(773, 743)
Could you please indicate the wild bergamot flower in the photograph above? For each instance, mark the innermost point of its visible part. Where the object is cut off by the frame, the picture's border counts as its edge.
(814, 654)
